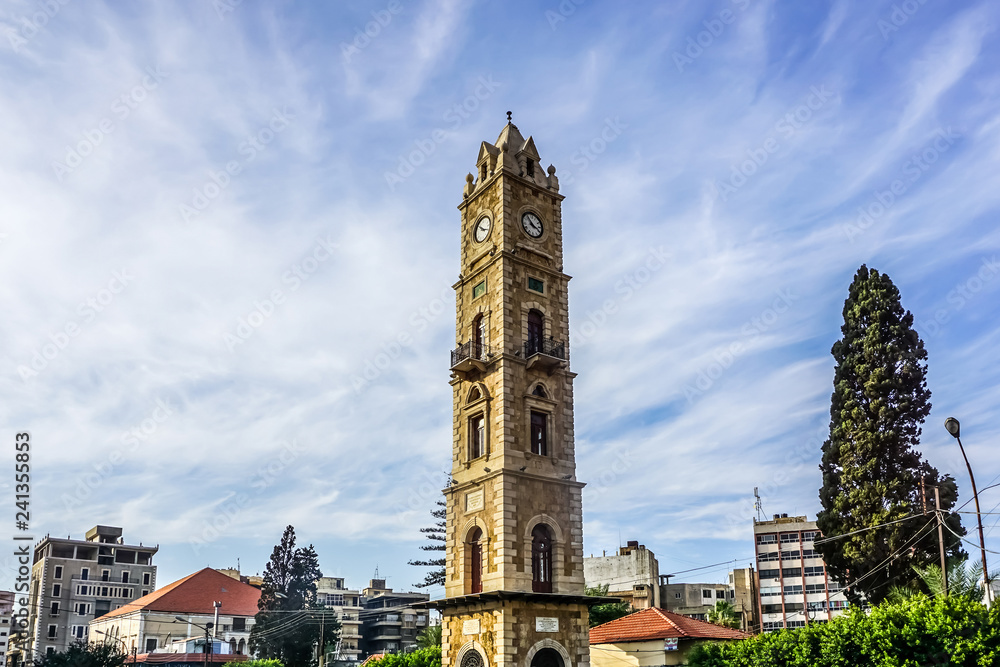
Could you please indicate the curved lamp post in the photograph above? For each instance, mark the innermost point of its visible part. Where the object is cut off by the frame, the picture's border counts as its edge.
(955, 429)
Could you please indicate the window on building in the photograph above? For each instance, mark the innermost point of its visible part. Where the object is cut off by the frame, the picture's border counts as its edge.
(816, 571)
(706, 592)
(791, 572)
(56, 590)
(796, 624)
(239, 624)
(770, 591)
(482, 172)
(145, 593)
(811, 553)
(52, 632)
(770, 574)
(789, 537)
(84, 574)
(151, 644)
(105, 575)
(145, 579)
(530, 167)
(477, 437)
(57, 572)
(50, 650)
(54, 609)
(541, 559)
(770, 538)
(125, 577)
(767, 556)
(791, 555)
(539, 390)
(677, 596)
(479, 337)
(793, 590)
(536, 332)
(815, 588)
(720, 595)
(810, 535)
(474, 549)
(539, 433)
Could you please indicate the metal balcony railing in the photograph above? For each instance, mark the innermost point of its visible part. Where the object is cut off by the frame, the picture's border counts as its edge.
(470, 352)
(550, 347)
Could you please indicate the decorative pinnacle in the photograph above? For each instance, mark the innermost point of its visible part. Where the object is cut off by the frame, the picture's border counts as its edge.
(508, 116)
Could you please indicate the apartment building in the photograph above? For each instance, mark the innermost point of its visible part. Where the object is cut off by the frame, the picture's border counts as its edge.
(389, 624)
(6, 618)
(632, 574)
(75, 581)
(331, 593)
(793, 587)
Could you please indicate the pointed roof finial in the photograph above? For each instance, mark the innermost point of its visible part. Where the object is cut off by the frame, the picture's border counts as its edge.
(508, 116)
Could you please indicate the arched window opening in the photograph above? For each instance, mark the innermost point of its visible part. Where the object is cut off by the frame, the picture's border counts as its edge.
(472, 659)
(482, 172)
(479, 337)
(536, 332)
(241, 649)
(475, 395)
(232, 646)
(541, 559)
(539, 391)
(474, 550)
(547, 657)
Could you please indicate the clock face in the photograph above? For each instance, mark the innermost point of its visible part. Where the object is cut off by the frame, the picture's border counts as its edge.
(482, 229)
(532, 225)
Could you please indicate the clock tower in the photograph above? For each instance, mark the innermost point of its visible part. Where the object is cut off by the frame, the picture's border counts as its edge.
(514, 580)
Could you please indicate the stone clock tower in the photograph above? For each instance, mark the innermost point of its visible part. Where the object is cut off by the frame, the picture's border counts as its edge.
(514, 575)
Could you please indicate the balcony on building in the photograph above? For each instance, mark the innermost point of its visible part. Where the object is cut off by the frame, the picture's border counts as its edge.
(547, 354)
(470, 356)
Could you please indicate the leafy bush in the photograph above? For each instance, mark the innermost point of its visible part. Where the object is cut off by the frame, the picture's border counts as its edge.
(917, 631)
(424, 657)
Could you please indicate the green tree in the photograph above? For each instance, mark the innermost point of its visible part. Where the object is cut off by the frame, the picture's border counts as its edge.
(81, 654)
(603, 613)
(269, 662)
(724, 614)
(964, 579)
(871, 469)
(429, 637)
(437, 535)
(288, 625)
(422, 657)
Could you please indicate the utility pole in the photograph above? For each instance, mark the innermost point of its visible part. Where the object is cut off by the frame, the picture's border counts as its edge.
(322, 643)
(940, 522)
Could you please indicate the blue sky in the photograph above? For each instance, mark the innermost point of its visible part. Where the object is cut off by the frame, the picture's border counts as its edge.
(219, 219)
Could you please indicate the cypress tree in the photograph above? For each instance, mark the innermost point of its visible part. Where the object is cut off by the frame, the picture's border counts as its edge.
(871, 468)
(437, 536)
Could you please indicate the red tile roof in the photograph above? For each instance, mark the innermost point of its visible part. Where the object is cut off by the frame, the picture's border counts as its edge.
(656, 623)
(195, 593)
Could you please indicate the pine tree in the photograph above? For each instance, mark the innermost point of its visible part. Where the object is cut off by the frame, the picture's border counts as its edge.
(437, 535)
(288, 625)
(871, 469)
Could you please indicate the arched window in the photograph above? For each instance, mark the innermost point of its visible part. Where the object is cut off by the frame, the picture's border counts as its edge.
(479, 337)
(541, 559)
(474, 553)
(536, 332)
(232, 646)
(539, 390)
(472, 659)
(242, 648)
(475, 395)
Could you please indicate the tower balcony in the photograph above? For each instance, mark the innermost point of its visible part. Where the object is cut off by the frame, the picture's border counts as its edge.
(547, 354)
(470, 356)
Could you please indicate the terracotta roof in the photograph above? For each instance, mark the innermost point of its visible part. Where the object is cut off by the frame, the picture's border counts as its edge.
(195, 593)
(656, 623)
(373, 657)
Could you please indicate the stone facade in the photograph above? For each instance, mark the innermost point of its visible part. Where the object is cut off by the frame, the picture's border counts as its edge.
(511, 474)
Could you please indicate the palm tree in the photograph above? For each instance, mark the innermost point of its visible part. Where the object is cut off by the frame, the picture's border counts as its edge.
(964, 580)
(429, 636)
(724, 614)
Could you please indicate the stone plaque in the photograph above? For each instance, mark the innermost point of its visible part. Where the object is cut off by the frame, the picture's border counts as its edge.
(474, 501)
(470, 627)
(546, 624)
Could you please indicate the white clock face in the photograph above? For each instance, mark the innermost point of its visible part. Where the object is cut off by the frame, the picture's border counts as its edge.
(532, 225)
(482, 230)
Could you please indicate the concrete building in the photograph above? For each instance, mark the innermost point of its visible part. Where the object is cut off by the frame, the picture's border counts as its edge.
(150, 624)
(6, 618)
(793, 587)
(389, 622)
(694, 600)
(331, 593)
(743, 586)
(75, 581)
(651, 638)
(632, 575)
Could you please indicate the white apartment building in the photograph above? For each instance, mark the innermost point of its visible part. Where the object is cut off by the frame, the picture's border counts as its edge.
(330, 593)
(793, 587)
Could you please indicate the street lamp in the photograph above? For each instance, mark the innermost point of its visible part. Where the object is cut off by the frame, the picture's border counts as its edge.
(955, 429)
(208, 629)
